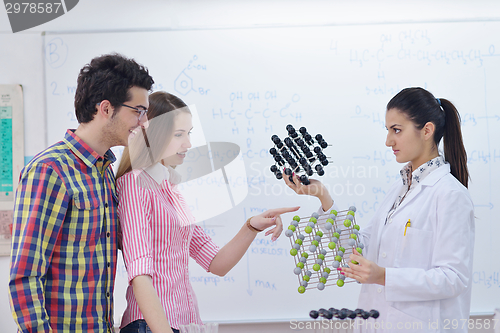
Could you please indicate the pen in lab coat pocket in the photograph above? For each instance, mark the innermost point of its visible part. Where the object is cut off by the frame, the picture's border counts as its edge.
(408, 224)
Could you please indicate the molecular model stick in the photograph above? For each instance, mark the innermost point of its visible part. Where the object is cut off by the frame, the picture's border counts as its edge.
(295, 155)
(320, 245)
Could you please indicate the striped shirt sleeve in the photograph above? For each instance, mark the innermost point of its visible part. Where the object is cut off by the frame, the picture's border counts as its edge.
(202, 249)
(40, 207)
(135, 219)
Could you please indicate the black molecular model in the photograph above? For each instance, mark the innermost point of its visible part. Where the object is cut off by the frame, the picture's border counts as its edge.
(343, 314)
(299, 154)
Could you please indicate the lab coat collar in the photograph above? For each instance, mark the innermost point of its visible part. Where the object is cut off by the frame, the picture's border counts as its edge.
(436, 175)
(415, 176)
(430, 180)
(159, 173)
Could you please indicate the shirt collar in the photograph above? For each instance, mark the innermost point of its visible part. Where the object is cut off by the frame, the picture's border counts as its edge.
(421, 172)
(84, 152)
(159, 173)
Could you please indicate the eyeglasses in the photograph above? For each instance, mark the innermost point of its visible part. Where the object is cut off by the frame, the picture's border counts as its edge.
(140, 112)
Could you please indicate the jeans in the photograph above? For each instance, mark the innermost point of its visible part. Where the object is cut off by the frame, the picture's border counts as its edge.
(139, 326)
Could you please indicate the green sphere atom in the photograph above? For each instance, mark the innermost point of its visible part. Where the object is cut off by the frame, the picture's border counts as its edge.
(296, 218)
(337, 258)
(316, 267)
(308, 229)
(322, 280)
(347, 223)
(328, 270)
(356, 227)
(298, 241)
(306, 278)
(315, 242)
(350, 213)
(319, 233)
(321, 256)
(342, 249)
(293, 252)
(360, 250)
(353, 236)
(334, 212)
(300, 265)
(291, 227)
(302, 289)
(330, 221)
(331, 245)
(336, 235)
(305, 255)
(340, 283)
(354, 262)
(313, 219)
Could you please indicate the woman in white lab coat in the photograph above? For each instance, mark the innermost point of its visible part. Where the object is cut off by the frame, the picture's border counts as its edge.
(416, 267)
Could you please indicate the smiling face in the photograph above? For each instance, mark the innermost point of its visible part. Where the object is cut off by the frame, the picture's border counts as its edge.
(408, 143)
(126, 122)
(180, 141)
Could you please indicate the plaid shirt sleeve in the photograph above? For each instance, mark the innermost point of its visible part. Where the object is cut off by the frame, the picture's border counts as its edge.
(40, 206)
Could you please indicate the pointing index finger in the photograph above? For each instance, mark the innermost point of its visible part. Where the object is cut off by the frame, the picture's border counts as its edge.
(279, 211)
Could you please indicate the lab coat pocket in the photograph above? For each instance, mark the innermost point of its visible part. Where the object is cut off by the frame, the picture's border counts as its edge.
(401, 321)
(415, 249)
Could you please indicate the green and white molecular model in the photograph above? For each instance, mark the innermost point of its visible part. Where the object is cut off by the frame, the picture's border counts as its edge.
(320, 245)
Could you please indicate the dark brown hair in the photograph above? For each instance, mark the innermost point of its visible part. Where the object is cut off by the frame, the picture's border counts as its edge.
(421, 107)
(108, 77)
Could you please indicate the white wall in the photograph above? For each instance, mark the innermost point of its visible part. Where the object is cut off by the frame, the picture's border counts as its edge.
(21, 54)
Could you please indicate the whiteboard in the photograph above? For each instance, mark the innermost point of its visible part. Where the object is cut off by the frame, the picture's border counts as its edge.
(248, 84)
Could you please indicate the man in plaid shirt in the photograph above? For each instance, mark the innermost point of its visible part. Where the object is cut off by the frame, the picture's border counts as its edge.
(64, 245)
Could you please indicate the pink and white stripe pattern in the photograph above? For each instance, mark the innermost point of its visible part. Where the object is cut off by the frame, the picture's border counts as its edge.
(159, 236)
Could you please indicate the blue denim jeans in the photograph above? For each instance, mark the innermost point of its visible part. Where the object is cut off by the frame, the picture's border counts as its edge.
(139, 326)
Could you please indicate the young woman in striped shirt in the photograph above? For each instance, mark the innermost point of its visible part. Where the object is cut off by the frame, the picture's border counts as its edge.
(159, 234)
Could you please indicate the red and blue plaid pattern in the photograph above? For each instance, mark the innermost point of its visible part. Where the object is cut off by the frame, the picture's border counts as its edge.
(64, 245)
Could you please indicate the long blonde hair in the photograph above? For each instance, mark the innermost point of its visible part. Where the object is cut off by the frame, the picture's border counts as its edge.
(148, 146)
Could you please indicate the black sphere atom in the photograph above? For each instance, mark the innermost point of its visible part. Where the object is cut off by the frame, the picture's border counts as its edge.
(314, 314)
(342, 314)
(328, 315)
(374, 314)
(351, 314)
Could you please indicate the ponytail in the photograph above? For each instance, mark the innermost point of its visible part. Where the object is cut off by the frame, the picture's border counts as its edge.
(421, 107)
(454, 150)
